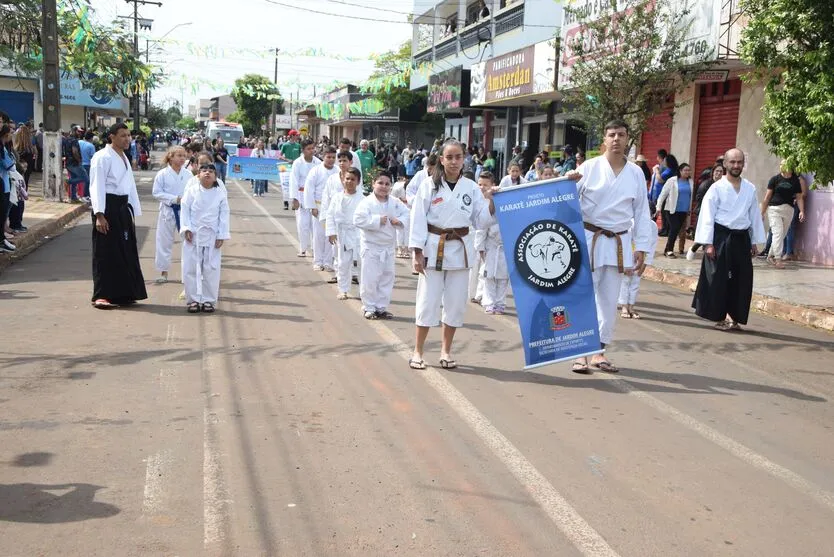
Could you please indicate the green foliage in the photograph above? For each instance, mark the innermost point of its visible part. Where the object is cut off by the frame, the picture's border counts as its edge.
(157, 117)
(254, 96)
(390, 64)
(173, 115)
(789, 42)
(100, 55)
(630, 61)
(187, 123)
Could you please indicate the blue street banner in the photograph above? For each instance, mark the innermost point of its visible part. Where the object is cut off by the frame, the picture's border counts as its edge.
(550, 272)
(246, 168)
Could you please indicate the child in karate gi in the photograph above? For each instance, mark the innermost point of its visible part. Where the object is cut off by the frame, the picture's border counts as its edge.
(378, 216)
(630, 285)
(513, 177)
(205, 226)
(493, 277)
(486, 181)
(342, 233)
(398, 191)
(168, 188)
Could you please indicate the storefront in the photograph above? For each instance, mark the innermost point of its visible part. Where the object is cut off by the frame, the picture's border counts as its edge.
(520, 82)
(448, 94)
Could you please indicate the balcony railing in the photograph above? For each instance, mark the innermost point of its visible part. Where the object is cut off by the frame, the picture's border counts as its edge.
(505, 21)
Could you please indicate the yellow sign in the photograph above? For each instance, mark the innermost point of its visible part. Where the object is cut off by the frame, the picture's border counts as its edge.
(303, 129)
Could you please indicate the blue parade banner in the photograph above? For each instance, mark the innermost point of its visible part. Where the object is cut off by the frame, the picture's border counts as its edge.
(550, 271)
(246, 168)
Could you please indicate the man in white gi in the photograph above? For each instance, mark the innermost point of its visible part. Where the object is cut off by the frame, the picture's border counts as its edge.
(205, 226)
(342, 233)
(729, 227)
(168, 188)
(313, 190)
(117, 274)
(378, 217)
(301, 167)
(612, 194)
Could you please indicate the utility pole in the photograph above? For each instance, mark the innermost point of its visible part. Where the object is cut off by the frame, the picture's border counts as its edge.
(53, 183)
(135, 100)
(275, 101)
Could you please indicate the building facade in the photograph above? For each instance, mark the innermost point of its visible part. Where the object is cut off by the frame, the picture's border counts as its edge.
(490, 68)
(220, 107)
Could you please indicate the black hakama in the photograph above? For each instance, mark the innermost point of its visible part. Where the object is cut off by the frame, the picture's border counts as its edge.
(117, 275)
(725, 286)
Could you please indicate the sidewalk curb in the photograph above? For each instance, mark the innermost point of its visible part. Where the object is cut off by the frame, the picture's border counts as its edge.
(774, 307)
(36, 236)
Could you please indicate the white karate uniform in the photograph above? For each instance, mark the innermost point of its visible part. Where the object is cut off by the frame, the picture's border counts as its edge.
(496, 276)
(340, 212)
(476, 273)
(313, 190)
(630, 285)
(446, 208)
(736, 211)
(507, 181)
(376, 249)
(414, 185)
(298, 177)
(398, 191)
(167, 187)
(111, 173)
(613, 203)
(205, 212)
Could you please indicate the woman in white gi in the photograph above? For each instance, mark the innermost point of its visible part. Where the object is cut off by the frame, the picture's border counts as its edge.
(378, 216)
(205, 226)
(442, 248)
(342, 233)
(168, 188)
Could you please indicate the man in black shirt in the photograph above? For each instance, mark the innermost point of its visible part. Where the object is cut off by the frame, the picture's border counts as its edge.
(783, 191)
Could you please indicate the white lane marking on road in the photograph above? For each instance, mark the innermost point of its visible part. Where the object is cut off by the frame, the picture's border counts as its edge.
(169, 335)
(214, 490)
(156, 474)
(584, 537)
(740, 451)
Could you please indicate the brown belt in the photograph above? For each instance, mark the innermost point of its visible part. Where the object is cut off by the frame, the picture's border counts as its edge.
(608, 234)
(448, 234)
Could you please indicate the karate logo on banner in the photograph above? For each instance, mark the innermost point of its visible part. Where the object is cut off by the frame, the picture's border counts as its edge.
(550, 272)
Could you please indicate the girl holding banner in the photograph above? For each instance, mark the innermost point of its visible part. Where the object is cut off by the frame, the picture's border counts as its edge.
(442, 211)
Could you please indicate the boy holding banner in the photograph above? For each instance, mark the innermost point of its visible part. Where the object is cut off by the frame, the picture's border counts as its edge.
(612, 194)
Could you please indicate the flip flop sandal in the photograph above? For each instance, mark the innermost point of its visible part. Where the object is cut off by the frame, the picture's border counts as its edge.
(605, 366)
(384, 315)
(580, 368)
(625, 314)
(416, 364)
(635, 315)
(161, 280)
(193, 307)
(208, 308)
(104, 304)
(332, 280)
(721, 326)
(371, 315)
(448, 364)
(733, 327)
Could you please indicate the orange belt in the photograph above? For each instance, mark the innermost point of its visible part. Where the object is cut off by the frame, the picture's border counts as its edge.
(608, 234)
(448, 234)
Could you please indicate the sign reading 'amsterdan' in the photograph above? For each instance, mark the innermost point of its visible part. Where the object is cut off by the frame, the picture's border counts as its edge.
(518, 74)
(247, 168)
(547, 257)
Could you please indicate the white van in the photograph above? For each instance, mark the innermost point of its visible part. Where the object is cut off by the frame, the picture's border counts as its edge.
(229, 131)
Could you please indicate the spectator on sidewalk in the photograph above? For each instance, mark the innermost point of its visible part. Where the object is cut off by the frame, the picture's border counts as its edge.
(783, 191)
(25, 151)
(88, 149)
(666, 167)
(7, 163)
(38, 139)
(677, 195)
(715, 175)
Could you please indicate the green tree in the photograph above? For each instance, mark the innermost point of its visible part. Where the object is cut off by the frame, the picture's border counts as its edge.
(187, 123)
(789, 42)
(100, 55)
(628, 60)
(174, 115)
(254, 95)
(389, 81)
(157, 117)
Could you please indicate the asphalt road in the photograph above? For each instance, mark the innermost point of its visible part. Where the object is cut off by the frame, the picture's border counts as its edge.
(286, 424)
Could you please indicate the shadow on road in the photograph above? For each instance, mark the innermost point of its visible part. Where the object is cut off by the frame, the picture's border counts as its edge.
(52, 504)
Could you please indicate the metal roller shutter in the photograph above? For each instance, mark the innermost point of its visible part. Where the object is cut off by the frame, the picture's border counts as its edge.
(656, 136)
(717, 122)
